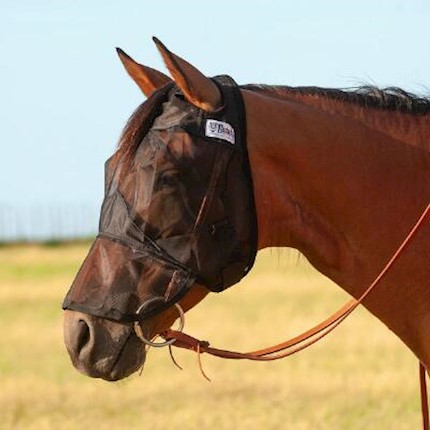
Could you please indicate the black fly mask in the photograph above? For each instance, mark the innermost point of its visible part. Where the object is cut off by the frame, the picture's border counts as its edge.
(181, 212)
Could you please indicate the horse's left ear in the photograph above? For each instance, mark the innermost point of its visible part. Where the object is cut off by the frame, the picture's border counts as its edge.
(197, 88)
(147, 79)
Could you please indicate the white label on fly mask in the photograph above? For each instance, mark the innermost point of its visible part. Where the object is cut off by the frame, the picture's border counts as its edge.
(220, 130)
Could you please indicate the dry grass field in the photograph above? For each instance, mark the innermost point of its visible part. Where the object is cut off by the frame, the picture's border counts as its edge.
(360, 377)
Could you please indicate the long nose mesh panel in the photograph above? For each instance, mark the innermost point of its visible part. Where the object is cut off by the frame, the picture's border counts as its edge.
(181, 211)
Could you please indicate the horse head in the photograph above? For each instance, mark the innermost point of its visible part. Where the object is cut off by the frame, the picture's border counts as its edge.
(177, 221)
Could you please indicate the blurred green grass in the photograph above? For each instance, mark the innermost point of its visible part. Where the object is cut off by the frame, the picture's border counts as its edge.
(361, 377)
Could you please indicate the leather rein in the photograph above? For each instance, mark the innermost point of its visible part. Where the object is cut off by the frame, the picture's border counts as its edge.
(311, 336)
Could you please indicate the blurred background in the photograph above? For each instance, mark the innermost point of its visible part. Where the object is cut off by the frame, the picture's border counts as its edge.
(64, 99)
(65, 96)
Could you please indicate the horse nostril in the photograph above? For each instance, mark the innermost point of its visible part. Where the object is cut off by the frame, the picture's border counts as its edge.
(83, 335)
(101, 348)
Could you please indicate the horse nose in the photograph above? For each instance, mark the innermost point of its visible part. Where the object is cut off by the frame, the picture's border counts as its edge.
(80, 339)
(79, 334)
(82, 335)
(101, 348)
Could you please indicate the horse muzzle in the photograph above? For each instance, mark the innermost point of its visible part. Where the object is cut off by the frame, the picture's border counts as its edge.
(102, 348)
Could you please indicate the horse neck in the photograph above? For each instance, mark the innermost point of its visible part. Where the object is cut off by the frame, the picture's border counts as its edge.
(345, 195)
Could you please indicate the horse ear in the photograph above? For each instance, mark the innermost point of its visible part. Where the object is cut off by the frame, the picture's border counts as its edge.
(147, 79)
(197, 88)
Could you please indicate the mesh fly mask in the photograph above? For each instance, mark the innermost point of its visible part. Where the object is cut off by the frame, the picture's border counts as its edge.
(181, 212)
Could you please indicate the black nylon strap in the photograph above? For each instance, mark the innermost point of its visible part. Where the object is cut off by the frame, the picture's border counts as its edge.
(229, 87)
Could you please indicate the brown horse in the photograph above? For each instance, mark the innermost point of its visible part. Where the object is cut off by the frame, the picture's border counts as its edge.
(339, 175)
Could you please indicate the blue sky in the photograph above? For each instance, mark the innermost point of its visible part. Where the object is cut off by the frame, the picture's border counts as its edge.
(64, 96)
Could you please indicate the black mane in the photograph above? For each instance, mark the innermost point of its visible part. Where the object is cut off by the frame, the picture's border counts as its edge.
(391, 98)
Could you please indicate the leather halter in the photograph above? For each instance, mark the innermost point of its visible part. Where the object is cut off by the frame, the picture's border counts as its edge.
(311, 336)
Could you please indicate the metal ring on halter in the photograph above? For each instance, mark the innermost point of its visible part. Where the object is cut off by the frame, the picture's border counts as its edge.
(139, 332)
